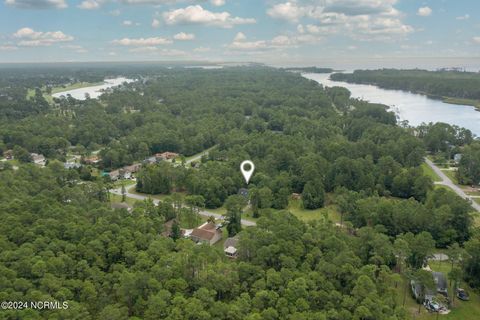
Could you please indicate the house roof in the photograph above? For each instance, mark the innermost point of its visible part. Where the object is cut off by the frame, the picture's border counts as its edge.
(231, 242)
(120, 205)
(206, 231)
(230, 250)
(440, 281)
(203, 234)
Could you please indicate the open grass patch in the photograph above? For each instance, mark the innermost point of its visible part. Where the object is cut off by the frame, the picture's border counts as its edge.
(428, 171)
(330, 212)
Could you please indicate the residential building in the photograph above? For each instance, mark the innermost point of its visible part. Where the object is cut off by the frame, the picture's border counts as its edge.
(166, 155)
(38, 159)
(208, 233)
(230, 247)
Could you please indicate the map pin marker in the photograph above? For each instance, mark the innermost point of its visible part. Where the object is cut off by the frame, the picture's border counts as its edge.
(247, 173)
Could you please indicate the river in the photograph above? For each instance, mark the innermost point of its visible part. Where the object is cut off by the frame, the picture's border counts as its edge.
(415, 108)
(93, 91)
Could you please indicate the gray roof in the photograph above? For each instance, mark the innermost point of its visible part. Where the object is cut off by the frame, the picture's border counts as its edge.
(440, 281)
(231, 242)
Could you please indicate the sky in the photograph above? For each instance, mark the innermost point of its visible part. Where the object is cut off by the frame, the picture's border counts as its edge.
(295, 32)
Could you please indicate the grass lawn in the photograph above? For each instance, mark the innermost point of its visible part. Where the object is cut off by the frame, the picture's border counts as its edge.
(295, 207)
(428, 171)
(115, 198)
(160, 197)
(220, 210)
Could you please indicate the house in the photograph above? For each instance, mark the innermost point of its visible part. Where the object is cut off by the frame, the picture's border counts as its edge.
(296, 196)
(92, 160)
(230, 247)
(166, 155)
(114, 175)
(134, 168)
(457, 158)
(441, 288)
(71, 165)
(208, 233)
(121, 205)
(243, 192)
(150, 160)
(38, 159)
(8, 154)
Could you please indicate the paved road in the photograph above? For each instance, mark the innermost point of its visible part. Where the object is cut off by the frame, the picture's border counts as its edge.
(205, 213)
(448, 183)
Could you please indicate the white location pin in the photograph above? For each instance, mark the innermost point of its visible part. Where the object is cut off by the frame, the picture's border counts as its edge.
(247, 173)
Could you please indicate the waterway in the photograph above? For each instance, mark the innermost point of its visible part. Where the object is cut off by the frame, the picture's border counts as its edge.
(415, 108)
(94, 91)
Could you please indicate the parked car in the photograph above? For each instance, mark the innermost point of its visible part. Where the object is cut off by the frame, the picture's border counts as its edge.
(432, 306)
(462, 294)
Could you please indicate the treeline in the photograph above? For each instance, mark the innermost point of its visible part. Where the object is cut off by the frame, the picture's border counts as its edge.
(464, 85)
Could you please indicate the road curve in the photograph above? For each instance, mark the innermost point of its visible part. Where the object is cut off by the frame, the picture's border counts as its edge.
(448, 183)
(118, 191)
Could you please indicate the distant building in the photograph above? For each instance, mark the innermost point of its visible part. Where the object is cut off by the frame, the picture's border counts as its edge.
(121, 205)
(38, 159)
(166, 155)
(457, 158)
(71, 165)
(230, 247)
(296, 196)
(243, 192)
(440, 287)
(8, 154)
(114, 175)
(150, 160)
(92, 160)
(208, 233)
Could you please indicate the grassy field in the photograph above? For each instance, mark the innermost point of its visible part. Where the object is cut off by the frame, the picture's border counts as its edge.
(115, 198)
(428, 171)
(467, 102)
(295, 207)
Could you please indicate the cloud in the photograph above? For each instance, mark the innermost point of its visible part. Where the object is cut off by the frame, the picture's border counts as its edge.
(241, 43)
(8, 47)
(155, 23)
(240, 37)
(197, 15)
(115, 13)
(182, 36)
(158, 51)
(217, 3)
(130, 23)
(89, 5)
(364, 20)
(202, 49)
(289, 11)
(424, 11)
(37, 4)
(464, 17)
(476, 39)
(146, 42)
(76, 48)
(31, 38)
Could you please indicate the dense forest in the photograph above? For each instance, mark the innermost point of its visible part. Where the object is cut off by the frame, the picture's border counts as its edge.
(60, 239)
(454, 84)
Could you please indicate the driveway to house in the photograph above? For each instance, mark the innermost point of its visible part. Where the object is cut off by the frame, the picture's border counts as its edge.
(118, 191)
(448, 183)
